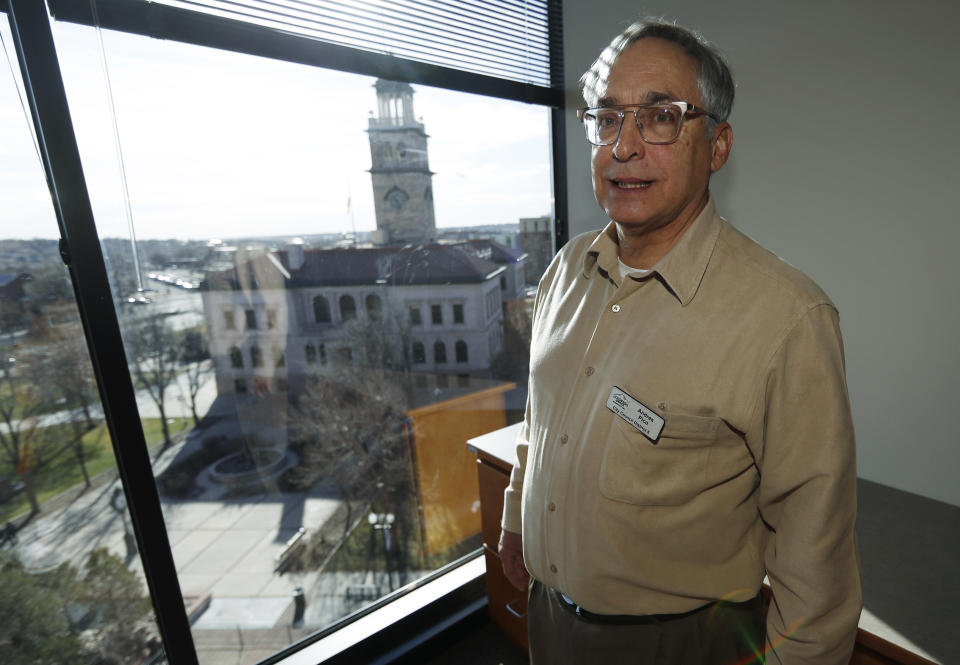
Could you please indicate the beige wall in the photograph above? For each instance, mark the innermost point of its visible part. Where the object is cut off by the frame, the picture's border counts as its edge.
(862, 201)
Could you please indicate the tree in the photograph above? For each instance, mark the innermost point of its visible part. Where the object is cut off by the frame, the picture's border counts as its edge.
(22, 401)
(99, 614)
(513, 362)
(152, 349)
(194, 357)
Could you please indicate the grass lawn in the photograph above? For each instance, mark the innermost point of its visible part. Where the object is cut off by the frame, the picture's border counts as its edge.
(63, 472)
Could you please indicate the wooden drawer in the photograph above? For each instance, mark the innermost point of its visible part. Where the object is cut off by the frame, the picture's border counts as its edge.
(492, 483)
(507, 605)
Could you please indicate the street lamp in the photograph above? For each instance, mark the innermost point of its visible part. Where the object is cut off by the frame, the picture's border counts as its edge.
(118, 501)
(383, 522)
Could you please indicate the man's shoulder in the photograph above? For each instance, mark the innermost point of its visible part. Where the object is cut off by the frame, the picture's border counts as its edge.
(763, 273)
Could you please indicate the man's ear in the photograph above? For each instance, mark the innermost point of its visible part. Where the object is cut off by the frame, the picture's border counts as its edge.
(721, 144)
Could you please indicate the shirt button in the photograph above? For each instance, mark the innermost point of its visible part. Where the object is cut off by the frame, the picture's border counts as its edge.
(552, 507)
(553, 568)
(588, 371)
(564, 438)
(616, 308)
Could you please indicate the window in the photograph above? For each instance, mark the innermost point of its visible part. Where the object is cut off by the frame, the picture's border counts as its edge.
(348, 308)
(310, 352)
(321, 310)
(229, 322)
(503, 282)
(415, 319)
(374, 305)
(436, 314)
(267, 197)
(458, 313)
(439, 352)
(461, 350)
(419, 354)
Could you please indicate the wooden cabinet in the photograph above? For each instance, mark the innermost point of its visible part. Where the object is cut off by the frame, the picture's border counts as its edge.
(507, 605)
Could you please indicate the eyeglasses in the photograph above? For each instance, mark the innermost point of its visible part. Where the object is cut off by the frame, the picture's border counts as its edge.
(659, 124)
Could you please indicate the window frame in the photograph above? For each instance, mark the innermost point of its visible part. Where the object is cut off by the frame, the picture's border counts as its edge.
(81, 251)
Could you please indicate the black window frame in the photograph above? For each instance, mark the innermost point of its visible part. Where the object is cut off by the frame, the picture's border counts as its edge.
(81, 251)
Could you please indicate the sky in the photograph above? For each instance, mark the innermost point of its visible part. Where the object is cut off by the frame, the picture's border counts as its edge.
(223, 145)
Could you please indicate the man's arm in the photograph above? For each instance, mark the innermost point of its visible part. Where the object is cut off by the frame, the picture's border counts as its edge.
(807, 496)
(511, 558)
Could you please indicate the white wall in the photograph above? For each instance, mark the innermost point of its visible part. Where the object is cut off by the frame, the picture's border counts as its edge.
(846, 136)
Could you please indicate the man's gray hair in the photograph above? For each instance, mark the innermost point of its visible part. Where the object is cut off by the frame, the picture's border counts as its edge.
(713, 74)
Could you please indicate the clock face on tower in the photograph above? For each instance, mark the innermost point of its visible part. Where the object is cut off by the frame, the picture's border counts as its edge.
(397, 198)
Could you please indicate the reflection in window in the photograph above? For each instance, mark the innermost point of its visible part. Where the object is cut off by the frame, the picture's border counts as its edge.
(439, 352)
(374, 305)
(348, 308)
(321, 310)
(461, 350)
(236, 358)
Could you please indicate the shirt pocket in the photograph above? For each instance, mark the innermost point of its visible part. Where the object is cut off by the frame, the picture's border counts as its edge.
(669, 473)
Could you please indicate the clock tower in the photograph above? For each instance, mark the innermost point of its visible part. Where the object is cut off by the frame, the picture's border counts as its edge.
(402, 179)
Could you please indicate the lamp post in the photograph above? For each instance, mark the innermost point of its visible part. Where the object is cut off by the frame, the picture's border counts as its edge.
(383, 522)
(118, 501)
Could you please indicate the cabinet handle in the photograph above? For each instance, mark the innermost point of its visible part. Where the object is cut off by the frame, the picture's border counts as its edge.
(513, 611)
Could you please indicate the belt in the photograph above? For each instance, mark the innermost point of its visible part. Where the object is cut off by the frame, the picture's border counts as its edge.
(630, 619)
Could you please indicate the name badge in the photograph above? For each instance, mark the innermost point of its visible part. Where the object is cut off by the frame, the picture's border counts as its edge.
(643, 418)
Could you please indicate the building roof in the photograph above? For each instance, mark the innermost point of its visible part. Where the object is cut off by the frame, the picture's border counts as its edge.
(491, 250)
(356, 266)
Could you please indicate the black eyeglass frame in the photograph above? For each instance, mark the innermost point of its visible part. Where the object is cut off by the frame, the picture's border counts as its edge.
(687, 110)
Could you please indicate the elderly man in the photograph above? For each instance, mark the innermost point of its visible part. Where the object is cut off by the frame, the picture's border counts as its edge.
(688, 429)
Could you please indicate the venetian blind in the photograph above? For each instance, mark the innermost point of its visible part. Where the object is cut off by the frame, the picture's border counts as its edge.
(507, 39)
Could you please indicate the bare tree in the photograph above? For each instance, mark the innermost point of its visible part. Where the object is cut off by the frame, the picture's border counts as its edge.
(152, 348)
(194, 358)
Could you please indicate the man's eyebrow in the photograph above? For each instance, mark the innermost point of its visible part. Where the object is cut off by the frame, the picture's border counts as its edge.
(652, 97)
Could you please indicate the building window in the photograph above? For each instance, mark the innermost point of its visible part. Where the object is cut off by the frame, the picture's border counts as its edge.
(419, 353)
(239, 386)
(503, 282)
(458, 313)
(229, 321)
(279, 357)
(374, 306)
(439, 352)
(310, 351)
(436, 314)
(322, 350)
(345, 354)
(443, 381)
(256, 356)
(463, 380)
(251, 317)
(415, 318)
(236, 358)
(348, 308)
(461, 350)
(321, 310)
(271, 319)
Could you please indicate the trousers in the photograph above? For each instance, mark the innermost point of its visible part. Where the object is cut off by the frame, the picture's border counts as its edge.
(716, 634)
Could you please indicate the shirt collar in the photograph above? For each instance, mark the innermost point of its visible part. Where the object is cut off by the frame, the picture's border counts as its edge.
(683, 267)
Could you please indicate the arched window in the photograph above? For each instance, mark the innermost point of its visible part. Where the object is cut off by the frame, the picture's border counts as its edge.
(236, 358)
(419, 353)
(321, 310)
(439, 352)
(461, 350)
(348, 308)
(311, 352)
(374, 306)
(322, 349)
(256, 356)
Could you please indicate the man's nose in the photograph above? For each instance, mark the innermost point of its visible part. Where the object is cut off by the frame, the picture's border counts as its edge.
(630, 142)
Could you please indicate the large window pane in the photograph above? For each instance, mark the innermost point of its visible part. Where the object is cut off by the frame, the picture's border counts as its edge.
(71, 585)
(318, 252)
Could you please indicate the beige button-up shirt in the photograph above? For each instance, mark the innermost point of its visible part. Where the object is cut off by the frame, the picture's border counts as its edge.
(753, 472)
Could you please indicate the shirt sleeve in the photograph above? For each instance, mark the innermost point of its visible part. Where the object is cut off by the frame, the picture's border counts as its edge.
(807, 497)
(511, 496)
